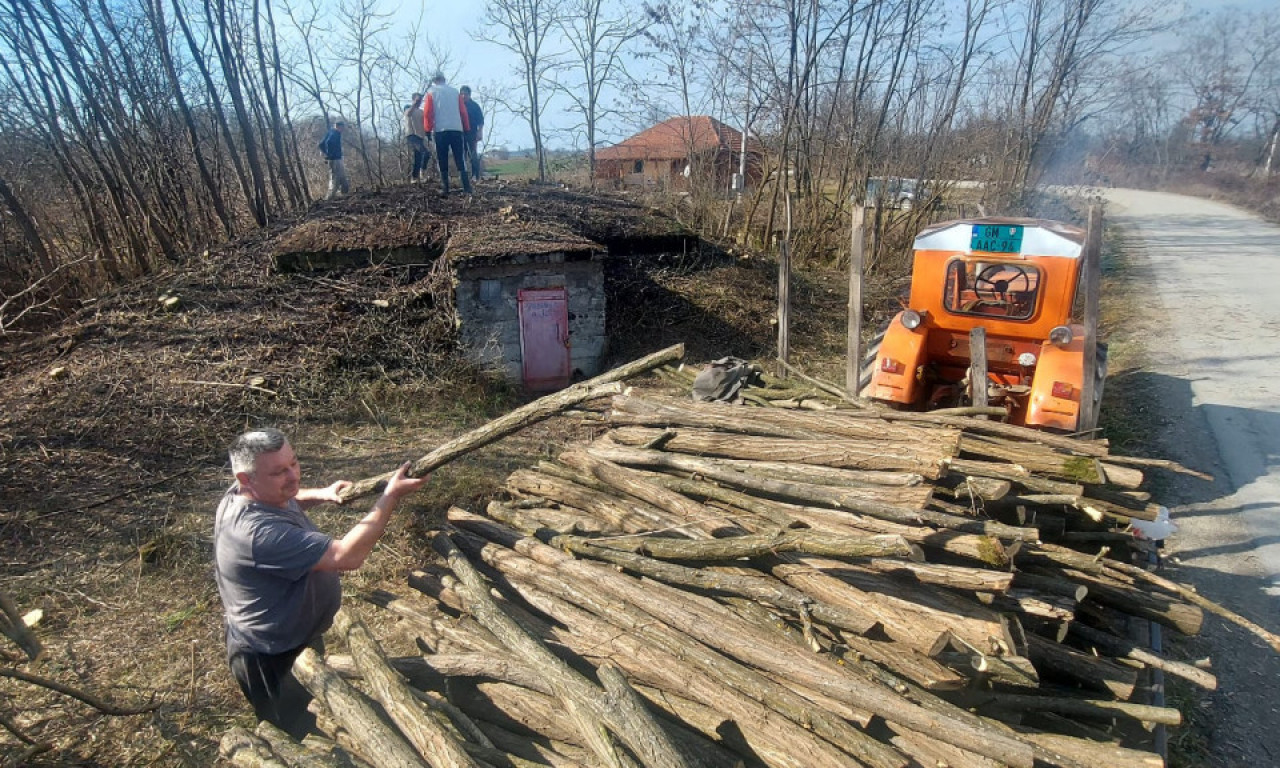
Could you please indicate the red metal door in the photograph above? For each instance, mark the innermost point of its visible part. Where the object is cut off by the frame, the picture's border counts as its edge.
(544, 337)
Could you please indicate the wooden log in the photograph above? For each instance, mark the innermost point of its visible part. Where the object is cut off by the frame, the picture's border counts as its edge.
(241, 747)
(1169, 611)
(296, 754)
(558, 520)
(766, 590)
(1096, 448)
(1029, 603)
(1093, 508)
(984, 549)
(630, 515)
(750, 545)
(1014, 474)
(926, 459)
(1010, 671)
(1037, 459)
(774, 718)
(432, 742)
(1095, 673)
(433, 625)
(1083, 752)
(593, 708)
(978, 367)
(14, 627)
(1119, 646)
(1102, 709)
(636, 484)
(928, 751)
(539, 410)
(1193, 597)
(630, 410)
(804, 492)
(964, 620)
(520, 751)
(950, 576)
(316, 743)
(920, 669)
(1125, 477)
(1050, 584)
(518, 709)
(375, 736)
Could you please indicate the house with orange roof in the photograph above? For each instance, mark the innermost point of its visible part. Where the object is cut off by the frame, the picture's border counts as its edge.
(677, 153)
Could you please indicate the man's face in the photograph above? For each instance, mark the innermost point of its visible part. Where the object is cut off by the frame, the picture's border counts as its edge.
(276, 477)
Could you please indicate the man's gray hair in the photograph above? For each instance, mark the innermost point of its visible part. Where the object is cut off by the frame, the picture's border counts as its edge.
(249, 446)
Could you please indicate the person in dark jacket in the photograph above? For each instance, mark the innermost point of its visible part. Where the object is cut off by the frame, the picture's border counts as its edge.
(331, 146)
(416, 137)
(475, 134)
(445, 117)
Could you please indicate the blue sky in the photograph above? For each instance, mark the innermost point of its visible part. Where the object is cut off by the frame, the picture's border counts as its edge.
(484, 65)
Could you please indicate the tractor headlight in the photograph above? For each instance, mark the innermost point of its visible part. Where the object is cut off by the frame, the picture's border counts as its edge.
(1061, 336)
(912, 319)
(1027, 359)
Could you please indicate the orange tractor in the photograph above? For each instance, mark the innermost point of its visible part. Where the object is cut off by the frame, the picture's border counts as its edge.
(1009, 285)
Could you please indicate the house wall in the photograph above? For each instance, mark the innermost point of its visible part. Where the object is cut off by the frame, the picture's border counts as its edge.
(486, 300)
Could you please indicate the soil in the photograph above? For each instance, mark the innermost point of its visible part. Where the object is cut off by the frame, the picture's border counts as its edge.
(1209, 274)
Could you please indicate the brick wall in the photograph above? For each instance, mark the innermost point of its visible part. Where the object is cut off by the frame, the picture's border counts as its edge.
(486, 303)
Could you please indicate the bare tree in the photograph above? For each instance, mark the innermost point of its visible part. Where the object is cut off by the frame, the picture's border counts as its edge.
(599, 33)
(525, 27)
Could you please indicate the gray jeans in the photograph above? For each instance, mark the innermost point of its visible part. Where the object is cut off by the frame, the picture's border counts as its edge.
(337, 179)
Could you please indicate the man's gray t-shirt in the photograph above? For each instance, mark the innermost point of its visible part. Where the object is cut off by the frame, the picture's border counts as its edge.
(263, 556)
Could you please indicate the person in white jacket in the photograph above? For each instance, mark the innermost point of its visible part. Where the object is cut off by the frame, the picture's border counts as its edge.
(444, 115)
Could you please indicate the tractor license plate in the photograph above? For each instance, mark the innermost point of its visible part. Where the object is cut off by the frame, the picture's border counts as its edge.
(996, 238)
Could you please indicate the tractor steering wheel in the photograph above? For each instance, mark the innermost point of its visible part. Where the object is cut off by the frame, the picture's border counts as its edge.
(997, 291)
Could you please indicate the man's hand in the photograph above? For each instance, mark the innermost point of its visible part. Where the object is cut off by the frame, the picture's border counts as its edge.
(309, 497)
(480, 133)
(401, 485)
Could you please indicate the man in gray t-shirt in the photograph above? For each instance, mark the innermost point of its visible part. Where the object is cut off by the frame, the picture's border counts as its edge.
(277, 573)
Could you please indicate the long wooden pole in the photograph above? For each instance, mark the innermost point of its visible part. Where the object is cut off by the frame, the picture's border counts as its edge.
(1091, 281)
(853, 361)
(540, 409)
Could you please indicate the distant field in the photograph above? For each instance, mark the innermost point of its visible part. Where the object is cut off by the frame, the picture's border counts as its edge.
(513, 168)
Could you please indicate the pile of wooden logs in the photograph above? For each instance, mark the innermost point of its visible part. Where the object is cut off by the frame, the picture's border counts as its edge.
(721, 585)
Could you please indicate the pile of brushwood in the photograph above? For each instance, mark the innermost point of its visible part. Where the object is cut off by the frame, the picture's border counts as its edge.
(795, 581)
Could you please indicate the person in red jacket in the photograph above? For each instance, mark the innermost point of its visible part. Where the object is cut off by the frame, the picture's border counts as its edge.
(444, 115)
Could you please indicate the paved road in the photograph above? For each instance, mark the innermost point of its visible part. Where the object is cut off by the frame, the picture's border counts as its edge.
(1213, 340)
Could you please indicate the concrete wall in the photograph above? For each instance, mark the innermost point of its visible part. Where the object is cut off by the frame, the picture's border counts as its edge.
(486, 303)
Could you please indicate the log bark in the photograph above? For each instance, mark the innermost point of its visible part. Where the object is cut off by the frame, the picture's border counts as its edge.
(920, 669)
(377, 739)
(967, 621)
(726, 631)
(804, 492)
(925, 459)
(592, 708)
(539, 410)
(950, 576)
(659, 656)
(630, 410)
(243, 748)
(1102, 709)
(631, 515)
(433, 742)
(1095, 673)
(1038, 459)
(1171, 612)
(984, 549)
(750, 545)
(1013, 671)
(14, 628)
(1195, 598)
(299, 755)
(1118, 646)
